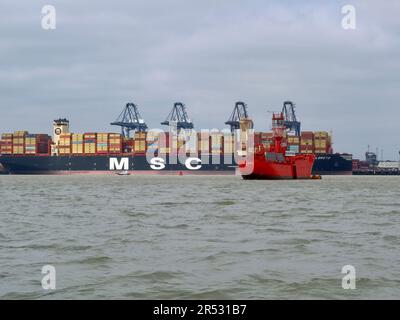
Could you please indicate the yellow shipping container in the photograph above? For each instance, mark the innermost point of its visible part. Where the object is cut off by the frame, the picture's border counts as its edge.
(6, 136)
(102, 137)
(64, 142)
(18, 140)
(64, 150)
(77, 149)
(77, 137)
(18, 150)
(321, 134)
(293, 140)
(20, 133)
(140, 135)
(90, 148)
(321, 144)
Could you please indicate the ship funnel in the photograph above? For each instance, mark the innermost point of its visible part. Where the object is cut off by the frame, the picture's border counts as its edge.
(60, 126)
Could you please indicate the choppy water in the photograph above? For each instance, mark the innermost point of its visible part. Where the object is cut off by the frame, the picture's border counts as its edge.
(137, 237)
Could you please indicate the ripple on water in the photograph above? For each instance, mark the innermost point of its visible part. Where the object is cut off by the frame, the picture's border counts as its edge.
(199, 237)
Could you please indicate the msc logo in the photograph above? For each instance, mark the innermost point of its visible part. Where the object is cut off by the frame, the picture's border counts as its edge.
(123, 164)
(156, 163)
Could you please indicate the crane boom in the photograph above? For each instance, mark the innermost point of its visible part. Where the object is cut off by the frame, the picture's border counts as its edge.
(239, 112)
(179, 116)
(291, 121)
(130, 119)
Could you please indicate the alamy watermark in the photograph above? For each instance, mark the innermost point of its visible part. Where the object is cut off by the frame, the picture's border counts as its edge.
(48, 17)
(349, 21)
(349, 280)
(49, 279)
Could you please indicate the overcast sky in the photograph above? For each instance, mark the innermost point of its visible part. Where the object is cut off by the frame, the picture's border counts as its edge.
(208, 54)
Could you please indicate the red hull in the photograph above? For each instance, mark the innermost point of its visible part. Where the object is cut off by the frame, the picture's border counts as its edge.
(294, 167)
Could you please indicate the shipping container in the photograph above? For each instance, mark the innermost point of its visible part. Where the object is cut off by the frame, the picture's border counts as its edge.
(63, 150)
(293, 140)
(294, 148)
(355, 164)
(102, 143)
(321, 134)
(140, 145)
(20, 134)
(6, 146)
(140, 135)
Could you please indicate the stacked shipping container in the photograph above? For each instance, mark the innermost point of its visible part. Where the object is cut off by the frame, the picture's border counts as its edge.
(293, 143)
(214, 143)
(321, 142)
(102, 143)
(229, 144)
(89, 143)
(64, 144)
(266, 139)
(114, 143)
(37, 144)
(140, 142)
(19, 142)
(77, 143)
(6, 143)
(203, 142)
(307, 142)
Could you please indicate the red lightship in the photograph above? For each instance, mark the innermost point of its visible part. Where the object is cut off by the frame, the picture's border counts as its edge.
(275, 161)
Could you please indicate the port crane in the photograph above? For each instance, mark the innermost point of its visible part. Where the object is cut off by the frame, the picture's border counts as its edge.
(289, 114)
(179, 117)
(239, 112)
(130, 119)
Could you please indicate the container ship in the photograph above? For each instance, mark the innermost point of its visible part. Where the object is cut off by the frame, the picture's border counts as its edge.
(179, 151)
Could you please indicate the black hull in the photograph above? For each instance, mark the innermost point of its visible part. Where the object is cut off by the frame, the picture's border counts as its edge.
(101, 164)
(333, 164)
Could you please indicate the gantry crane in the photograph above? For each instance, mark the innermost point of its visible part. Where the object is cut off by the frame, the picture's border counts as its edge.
(130, 119)
(289, 114)
(178, 116)
(239, 112)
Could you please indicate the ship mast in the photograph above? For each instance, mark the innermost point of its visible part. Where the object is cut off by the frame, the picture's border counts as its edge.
(278, 130)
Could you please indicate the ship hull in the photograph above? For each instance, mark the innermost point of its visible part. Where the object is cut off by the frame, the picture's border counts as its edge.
(297, 167)
(333, 164)
(108, 164)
